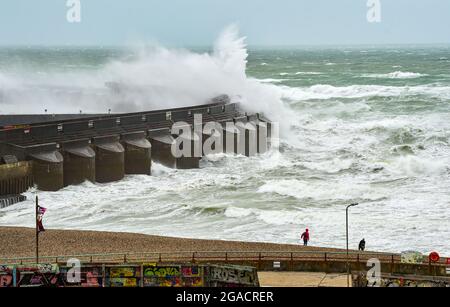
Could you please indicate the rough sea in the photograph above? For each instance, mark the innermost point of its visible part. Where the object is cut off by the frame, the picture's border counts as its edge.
(368, 124)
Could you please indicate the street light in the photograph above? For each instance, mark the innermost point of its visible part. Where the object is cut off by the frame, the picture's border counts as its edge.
(346, 227)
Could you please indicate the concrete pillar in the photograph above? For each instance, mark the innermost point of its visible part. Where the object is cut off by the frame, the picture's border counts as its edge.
(266, 127)
(212, 138)
(247, 141)
(192, 159)
(262, 130)
(162, 142)
(79, 162)
(138, 153)
(213, 142)
(231, 136)
(109, 159)
(48, 165)
(263, 137)
(188, 145)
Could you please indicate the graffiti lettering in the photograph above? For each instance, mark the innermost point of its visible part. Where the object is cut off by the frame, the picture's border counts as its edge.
(233, 275)
(162, 272)
(47, 275)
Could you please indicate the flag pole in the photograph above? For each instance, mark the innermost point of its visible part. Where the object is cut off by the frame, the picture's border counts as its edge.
(37, 230)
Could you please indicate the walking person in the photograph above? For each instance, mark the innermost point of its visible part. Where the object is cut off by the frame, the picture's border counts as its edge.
(362, 245)
(305, 237)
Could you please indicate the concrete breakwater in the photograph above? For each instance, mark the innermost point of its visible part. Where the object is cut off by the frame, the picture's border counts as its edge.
(8, 200)
(55, 154)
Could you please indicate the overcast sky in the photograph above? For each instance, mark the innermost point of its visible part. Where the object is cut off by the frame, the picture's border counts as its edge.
(198, 22)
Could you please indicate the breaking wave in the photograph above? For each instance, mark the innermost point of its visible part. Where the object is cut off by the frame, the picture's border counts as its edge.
(321, 190)
(155, 78)
(386, 147)
(396, 75)
(325, 91)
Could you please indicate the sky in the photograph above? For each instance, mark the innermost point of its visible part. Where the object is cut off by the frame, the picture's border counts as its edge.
(198, 22)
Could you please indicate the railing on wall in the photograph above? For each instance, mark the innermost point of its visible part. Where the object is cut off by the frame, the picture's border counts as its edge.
(53, 129)
(220, 256)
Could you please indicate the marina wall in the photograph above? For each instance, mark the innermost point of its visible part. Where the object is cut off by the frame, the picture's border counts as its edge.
(104, 149)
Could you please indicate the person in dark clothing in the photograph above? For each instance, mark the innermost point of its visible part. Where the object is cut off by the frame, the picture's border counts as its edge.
(362, 245)
(305, 237)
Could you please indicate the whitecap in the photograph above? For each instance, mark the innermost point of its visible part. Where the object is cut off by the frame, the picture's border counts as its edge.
(308, 73)
(325, 91)
(323, 190)
(396, 75)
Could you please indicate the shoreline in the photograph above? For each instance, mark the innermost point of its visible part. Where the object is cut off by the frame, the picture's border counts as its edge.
(19, 242)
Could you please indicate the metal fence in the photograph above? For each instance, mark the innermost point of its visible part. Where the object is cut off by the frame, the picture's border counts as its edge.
(215, 256)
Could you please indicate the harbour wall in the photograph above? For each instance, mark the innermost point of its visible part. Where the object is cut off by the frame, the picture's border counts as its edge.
(106, 148)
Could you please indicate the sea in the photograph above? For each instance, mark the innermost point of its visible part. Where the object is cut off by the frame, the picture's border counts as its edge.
(358, 124)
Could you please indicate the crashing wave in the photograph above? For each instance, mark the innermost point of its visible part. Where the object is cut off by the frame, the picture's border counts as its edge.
(396, 75)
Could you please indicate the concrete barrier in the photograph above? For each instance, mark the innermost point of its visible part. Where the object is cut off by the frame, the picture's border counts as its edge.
(361, 280)
(190, 155)
(231, 136)
(248, 138)
(213, 141)
(138, 153)
(162, 142)
(58, 158)
(79, 162)
(109, 159)
(262, 130)
(128, 275)
(9, 200)
(48, 166)
(15, 178)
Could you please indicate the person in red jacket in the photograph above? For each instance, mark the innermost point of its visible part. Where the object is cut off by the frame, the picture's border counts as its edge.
(305, 237)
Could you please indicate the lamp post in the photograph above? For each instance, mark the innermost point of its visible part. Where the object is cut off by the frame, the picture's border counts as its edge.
(346, 228)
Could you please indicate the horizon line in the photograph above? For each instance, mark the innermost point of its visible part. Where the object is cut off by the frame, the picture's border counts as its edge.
(206, 46)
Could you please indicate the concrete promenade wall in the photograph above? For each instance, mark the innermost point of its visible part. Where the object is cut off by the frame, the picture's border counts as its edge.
(339, 266)
(360, 280)
(129, 275)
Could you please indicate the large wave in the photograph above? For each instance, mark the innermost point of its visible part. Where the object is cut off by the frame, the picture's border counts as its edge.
(396, 75)
(326, 91)
(156, 78)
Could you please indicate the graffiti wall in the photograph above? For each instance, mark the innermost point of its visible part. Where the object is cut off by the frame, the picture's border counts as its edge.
(128, 275)
(123, 276)
(43, 275)
(230, 276)
(90, 276)
(7, 276)
(412, 257)
(360, 280)
(193, 276)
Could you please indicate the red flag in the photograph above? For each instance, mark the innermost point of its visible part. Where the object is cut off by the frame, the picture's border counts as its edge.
(41, 212)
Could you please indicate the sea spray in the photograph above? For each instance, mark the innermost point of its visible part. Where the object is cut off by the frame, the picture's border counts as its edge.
(151, 78)
(382, 142)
